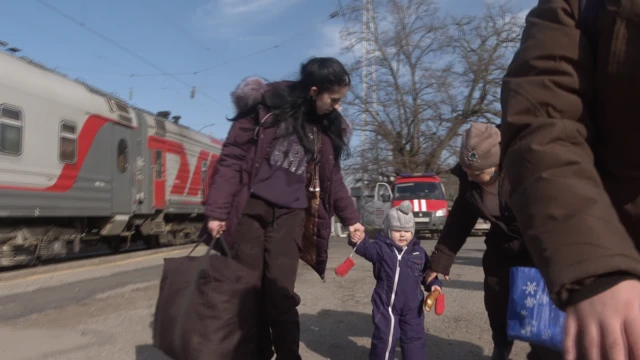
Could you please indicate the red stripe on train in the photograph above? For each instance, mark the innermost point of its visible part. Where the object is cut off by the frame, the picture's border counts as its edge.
(184, 174)
(69, 173)
(196, 179)
(173, 147)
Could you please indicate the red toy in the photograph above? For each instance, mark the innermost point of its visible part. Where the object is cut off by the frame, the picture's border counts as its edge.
(343, 269)
(440, 305)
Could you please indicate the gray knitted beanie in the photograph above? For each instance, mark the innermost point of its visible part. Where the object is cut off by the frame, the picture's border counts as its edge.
(400, 218)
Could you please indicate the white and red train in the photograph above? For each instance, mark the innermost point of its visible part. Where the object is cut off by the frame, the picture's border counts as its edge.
(79, 166)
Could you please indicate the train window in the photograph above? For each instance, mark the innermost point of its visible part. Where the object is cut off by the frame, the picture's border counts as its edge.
(68, 142)
(158, 164)
(10, 129)
(9, 112)
(123, 156)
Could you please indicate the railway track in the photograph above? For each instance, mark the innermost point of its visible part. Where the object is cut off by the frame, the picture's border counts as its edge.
(101, 251)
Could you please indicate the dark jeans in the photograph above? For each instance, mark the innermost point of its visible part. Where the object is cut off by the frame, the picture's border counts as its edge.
(268, 240)
(496, 263)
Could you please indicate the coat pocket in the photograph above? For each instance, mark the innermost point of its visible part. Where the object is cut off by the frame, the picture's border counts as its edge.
(416, 264)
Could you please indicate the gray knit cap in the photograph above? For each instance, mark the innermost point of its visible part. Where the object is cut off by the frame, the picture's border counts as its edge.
(400, 218)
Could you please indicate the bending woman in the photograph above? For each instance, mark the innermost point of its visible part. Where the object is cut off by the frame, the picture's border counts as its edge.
(477, 171)
(276, 187)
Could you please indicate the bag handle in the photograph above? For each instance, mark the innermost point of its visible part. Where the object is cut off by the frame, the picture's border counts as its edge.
(225, 248)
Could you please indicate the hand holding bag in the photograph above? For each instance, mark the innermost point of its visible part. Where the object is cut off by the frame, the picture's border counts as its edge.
(204, 307)
(532, 317)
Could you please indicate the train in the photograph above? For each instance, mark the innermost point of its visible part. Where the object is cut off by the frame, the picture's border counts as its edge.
(81, 167)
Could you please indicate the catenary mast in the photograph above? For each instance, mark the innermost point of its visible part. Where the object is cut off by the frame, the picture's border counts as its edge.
(369, 89)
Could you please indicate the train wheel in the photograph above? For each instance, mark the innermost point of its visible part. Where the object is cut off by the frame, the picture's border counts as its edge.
(114, 244)
(151, 242)
(166, 239)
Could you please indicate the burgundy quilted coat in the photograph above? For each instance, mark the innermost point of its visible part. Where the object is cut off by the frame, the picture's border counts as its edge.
(246, 145)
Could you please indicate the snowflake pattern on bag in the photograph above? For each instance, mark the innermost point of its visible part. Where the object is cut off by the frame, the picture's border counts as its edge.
(531, 316)
(531, 288)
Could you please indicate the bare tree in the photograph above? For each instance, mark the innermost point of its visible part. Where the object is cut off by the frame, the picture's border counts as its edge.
(429, 75)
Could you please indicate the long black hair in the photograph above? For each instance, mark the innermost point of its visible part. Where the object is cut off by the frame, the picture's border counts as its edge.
(293, 103)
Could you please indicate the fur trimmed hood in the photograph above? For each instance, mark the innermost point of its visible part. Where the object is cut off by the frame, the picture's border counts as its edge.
(250, 90)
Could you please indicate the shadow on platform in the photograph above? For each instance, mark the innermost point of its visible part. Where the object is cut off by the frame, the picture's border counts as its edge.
(329, 334)
(148, 352)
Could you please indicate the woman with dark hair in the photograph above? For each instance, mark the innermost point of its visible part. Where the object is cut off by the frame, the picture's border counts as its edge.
(276, 187)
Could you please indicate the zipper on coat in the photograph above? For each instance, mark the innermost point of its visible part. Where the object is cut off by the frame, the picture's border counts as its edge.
(256, 132)
(393, 297)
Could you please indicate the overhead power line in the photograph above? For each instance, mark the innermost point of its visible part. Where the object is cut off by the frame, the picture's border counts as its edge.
(26, 22)
(170, 20)
(196, 72)
(116, 44)
(296, 34)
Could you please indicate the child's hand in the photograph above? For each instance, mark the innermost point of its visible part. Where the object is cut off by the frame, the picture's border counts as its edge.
(430, 275)
(356, 232)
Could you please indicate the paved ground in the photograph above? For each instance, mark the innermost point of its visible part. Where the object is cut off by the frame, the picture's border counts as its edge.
(102, 309)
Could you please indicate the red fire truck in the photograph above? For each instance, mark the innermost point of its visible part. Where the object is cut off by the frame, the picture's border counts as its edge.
(425, 192)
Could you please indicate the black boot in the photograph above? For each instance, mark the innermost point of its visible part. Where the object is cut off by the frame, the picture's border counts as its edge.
(501, 353)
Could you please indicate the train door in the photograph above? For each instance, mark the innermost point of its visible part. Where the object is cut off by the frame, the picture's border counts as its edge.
(159, 179)
(138, 176)
(123, 171)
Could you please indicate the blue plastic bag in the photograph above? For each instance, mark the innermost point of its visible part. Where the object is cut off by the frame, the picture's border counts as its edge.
(532, 317)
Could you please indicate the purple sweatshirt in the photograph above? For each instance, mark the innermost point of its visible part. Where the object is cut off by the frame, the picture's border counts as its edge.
(282, 177)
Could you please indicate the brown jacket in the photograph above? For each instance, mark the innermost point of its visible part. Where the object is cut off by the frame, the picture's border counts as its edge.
(503, 238)
(569, 141)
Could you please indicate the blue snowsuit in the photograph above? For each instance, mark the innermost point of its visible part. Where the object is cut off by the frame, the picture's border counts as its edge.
(397, 298)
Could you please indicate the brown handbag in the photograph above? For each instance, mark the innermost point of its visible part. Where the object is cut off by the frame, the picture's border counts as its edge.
(204, 308)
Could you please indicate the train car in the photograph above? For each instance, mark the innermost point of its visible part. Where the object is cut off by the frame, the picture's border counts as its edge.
(79, 166)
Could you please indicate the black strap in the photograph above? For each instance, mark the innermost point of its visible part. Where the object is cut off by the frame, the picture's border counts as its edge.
(225, 249)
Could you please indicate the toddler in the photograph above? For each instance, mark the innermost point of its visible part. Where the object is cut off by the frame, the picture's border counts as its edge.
(399, 267)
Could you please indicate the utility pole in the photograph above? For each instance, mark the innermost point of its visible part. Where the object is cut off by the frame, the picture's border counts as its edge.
(369, 87)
